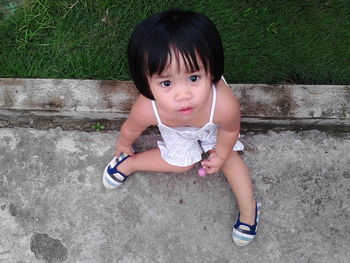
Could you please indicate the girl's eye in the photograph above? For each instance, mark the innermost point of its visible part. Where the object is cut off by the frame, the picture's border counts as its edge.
(166, 83)
(194, 78)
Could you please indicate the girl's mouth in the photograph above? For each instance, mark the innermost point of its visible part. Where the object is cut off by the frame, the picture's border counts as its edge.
(186, 111)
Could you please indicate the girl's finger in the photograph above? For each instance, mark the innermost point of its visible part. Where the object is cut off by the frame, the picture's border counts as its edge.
(211, 155)
(206, 162)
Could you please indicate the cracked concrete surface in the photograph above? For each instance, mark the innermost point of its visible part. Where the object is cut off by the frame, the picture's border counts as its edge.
(54, 208)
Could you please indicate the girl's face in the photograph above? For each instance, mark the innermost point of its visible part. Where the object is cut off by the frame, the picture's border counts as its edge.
(180, 92)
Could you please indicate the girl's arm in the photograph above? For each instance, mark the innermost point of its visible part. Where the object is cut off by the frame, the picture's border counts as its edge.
(227, 116)
(229, 120)
(141, 116)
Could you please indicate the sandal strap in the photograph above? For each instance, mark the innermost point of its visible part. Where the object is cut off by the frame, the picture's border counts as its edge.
(252, 230)
(115, 178)
(113, 171)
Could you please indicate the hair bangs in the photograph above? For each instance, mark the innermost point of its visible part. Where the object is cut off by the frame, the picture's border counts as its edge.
(189, 48)
(159, 58)
(189, 58)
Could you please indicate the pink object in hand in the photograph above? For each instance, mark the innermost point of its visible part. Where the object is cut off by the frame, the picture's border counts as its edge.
(202, 172)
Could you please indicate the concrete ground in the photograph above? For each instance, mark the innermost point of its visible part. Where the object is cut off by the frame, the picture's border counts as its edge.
(54, 208)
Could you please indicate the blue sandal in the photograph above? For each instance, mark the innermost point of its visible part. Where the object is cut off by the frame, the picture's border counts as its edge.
(112, 178)
(242, 233)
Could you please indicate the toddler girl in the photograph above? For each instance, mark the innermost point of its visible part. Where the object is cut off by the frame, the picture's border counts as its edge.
(176, 61)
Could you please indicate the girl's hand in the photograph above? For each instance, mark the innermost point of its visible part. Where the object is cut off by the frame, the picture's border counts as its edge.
(213, 164)
(123, 149)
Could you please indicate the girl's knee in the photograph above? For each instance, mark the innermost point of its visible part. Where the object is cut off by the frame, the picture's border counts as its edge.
(233, 157)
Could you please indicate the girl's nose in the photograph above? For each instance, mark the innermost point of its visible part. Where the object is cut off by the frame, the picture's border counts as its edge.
(183, 93)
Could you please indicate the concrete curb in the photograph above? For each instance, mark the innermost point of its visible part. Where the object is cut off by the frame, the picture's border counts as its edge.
(77, 104)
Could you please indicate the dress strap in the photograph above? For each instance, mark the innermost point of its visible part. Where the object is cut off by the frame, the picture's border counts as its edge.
(222, 77)
(156, 112)
(213, 103)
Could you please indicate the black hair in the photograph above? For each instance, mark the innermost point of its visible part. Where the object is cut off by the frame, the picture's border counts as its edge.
(187, 33)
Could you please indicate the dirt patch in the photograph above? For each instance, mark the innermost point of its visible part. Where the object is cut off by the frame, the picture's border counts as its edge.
(267, 101)
(118, 94)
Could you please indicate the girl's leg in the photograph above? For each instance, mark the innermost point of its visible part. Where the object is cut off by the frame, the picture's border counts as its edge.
(149, 161)
(238, 176)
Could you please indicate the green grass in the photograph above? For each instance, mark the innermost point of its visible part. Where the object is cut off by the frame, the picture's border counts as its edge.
(300, 41)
